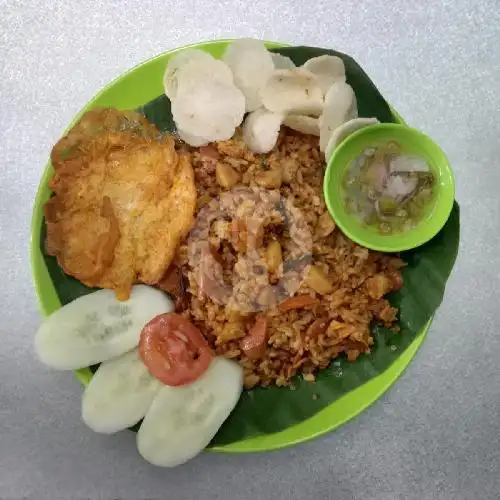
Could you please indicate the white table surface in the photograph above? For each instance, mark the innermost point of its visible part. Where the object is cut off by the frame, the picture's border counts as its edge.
(436, 433)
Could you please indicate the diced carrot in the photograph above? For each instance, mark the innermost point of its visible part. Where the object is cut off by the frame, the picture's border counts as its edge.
(255, 342)
(297, 302)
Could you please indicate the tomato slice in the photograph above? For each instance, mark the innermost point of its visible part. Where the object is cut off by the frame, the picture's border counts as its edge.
(174, 350)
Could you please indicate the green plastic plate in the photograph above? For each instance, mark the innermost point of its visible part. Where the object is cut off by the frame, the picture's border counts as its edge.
(136, 87)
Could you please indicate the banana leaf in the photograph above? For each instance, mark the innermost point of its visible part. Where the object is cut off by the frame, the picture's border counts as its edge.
(263, 411)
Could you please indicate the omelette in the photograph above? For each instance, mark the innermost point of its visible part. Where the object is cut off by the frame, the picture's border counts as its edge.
(98, 121)
(123, 200)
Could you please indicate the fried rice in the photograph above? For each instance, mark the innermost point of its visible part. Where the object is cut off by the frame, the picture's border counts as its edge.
(266, 275)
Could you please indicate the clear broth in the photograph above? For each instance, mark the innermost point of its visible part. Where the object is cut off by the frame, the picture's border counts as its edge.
(389, 201)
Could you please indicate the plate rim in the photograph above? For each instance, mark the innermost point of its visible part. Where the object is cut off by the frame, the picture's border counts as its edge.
(312, 428)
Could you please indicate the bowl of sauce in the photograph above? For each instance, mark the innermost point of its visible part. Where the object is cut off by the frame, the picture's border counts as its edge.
(389, 187)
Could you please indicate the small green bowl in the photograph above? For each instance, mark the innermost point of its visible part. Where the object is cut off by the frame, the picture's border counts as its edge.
(413, 142)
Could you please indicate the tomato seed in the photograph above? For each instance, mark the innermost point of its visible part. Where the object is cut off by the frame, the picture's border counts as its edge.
(181, 336)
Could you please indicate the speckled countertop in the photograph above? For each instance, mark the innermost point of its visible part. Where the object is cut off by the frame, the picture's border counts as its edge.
(436, 433)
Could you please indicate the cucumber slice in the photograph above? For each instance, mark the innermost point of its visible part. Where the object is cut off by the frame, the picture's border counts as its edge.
(97, 327)
(183, 420)
(120, 393)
